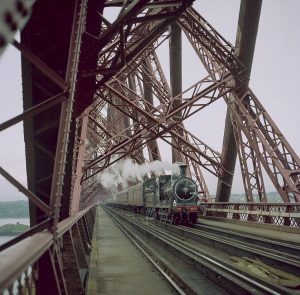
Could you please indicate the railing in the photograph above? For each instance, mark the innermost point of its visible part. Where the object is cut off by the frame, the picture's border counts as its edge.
(283, 214)
(47, 263)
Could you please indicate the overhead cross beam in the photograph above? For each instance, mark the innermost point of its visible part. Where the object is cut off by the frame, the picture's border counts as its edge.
(121, 43)
(157, 122)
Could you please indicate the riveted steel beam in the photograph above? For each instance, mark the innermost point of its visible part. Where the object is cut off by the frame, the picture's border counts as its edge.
(159, 126)
(245, 44)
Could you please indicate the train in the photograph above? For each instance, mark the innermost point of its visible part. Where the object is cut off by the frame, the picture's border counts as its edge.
(170, 198)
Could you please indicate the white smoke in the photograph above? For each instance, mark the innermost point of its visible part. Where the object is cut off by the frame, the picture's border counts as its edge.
(124, 171)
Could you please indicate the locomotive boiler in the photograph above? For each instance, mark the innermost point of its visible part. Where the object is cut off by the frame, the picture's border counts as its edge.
(170, 198)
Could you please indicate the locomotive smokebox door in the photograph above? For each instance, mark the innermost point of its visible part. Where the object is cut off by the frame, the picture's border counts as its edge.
(185, 189)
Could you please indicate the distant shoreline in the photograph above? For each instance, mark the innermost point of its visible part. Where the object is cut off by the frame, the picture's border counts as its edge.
(13, 229)
(14, 209)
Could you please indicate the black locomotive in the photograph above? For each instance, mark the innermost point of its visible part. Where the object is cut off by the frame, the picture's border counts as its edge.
(170, 198)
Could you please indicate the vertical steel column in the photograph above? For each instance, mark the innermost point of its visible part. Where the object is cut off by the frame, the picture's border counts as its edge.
(175, 46)
(66, 109)
(154, 153)
(132, 86)
(245, 45)
(75, 198)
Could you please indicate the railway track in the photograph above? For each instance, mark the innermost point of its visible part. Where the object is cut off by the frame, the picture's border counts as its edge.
(174, 281)
(291, 247)
(273, 252)
(222, 272)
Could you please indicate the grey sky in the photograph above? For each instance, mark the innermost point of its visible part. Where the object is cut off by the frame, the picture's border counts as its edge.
(274, 79)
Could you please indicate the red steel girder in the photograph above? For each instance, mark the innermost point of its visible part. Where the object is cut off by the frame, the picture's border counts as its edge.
(66, 110)
(158, 122)
(111, 136)
(274, 152)
(152, 69)
(120, 45)
(250, 168)
(204, 35)
(145, 89)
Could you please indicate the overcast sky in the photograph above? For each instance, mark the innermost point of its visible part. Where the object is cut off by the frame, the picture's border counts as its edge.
(274, 79)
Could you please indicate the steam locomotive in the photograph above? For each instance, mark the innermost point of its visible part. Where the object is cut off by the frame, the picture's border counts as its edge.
(170, 198)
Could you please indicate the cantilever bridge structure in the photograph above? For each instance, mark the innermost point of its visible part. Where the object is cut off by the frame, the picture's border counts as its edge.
(94, 92)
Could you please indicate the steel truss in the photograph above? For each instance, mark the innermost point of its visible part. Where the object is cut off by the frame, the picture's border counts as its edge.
(218, 58)
(152, 70)
(123, 68)
(267, 144)
(63, 247)
(121, 42)
(250, 166)
(159, 119)
(162, 93)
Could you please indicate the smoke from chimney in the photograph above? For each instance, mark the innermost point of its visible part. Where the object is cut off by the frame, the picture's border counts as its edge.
(124, 171)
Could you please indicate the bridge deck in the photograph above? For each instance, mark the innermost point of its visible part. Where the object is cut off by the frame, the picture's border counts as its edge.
(117, 267)
(279, 233)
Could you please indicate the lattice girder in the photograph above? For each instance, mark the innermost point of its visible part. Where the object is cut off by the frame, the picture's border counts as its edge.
(159, 120)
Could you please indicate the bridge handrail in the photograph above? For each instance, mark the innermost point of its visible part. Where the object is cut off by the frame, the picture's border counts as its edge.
(287, 214)
(16, 259)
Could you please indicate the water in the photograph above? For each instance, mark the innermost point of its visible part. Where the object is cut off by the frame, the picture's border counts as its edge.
(4, 239)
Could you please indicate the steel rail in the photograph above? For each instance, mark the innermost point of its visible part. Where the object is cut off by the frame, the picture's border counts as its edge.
(248, 247)
(282, 214)
(205, 260)
(136, 241)
(255, 238)
(17, 258)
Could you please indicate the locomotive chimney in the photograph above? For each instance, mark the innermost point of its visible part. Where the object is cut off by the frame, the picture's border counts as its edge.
(182, 170)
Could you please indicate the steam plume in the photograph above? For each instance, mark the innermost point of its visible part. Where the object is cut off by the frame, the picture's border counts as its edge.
(124, 171)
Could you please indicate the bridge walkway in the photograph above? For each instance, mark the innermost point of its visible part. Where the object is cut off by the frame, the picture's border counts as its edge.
(117, 267)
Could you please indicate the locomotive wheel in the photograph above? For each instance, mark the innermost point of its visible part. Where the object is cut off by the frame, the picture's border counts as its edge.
(193, 217)
(176, 219)
(184, 217)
